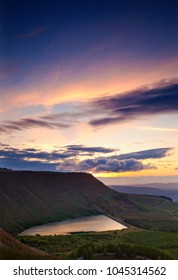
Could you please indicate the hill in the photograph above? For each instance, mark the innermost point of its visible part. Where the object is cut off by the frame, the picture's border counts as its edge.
(32, 198)
(146, 190)
(162, 186)
(11, 248)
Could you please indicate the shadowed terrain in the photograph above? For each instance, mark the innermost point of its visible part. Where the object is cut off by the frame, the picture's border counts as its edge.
(32, 198)
(149, 189)
(11, 248)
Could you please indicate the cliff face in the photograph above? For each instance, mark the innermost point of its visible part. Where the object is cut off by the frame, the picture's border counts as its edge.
(29, 198)
(32, 198)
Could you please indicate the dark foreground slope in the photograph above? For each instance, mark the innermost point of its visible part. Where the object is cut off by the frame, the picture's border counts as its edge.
(11, 248)
(32, 198)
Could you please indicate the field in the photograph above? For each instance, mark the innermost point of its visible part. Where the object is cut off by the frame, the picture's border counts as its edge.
(124, 244)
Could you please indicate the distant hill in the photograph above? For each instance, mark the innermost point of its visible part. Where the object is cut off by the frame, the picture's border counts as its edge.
(32, 198)
(5, 169)
(162, 186)
(11, 248)
(146, 190)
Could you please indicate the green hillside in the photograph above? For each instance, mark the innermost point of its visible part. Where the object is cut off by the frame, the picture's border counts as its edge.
(33, 198)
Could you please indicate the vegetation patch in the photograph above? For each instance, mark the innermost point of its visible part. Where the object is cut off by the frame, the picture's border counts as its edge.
(124, 244)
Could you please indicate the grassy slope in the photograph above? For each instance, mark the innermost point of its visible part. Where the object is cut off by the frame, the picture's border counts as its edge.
(154, 239)
(31, 198)
(11, 248)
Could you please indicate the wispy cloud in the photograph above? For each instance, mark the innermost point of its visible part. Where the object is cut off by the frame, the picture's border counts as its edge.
(161, 129)
(146, 154)
(49, 121)
(162, 98)
(158, 99)
(30, 154)
(81, 148)
(33, 33)
(27, 123)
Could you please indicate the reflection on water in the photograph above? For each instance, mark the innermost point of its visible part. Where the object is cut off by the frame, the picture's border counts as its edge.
(85, 224)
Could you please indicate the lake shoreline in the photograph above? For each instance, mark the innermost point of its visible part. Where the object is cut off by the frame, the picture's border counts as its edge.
(94, 223)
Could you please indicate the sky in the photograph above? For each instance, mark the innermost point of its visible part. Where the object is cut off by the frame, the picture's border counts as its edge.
(90, 86)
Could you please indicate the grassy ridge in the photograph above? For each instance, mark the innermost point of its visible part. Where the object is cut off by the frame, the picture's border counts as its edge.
(33, 198)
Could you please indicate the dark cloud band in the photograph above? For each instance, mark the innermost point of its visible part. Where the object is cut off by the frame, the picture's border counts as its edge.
(103, 165)
(160, 99)
(82, 148)
(163, 98)
(146, 154)
(69, 159)
(27, 123)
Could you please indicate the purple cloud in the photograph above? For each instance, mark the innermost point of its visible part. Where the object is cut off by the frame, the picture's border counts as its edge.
(162, 98)
(81, 148)
(68, 159)
(27, 123)
(146, 154)
(103, 165)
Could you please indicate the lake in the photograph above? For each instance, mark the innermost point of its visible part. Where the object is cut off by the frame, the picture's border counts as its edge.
(94, 223)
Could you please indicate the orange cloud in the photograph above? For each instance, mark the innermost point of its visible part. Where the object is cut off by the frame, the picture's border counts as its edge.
(56, 85)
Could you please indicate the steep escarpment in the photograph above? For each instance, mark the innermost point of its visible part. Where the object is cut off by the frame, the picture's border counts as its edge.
(32, 198)
(29, 198)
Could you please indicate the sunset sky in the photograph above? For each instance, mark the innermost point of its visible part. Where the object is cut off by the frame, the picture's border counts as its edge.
(90, 86)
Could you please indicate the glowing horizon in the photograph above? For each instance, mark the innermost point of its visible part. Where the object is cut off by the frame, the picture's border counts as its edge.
(90, 91)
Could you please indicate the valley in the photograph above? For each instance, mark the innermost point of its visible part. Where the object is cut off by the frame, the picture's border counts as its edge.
(31, 199)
